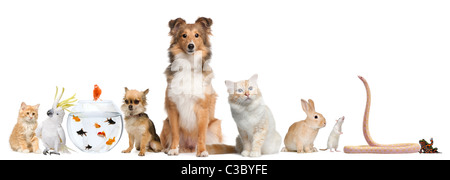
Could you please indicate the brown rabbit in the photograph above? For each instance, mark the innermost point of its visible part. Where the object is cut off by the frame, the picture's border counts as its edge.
(301, 135)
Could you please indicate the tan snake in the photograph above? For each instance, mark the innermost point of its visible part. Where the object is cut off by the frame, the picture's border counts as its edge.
(374, 147)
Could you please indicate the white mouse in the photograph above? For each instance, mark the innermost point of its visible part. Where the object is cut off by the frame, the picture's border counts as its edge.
(333, 139)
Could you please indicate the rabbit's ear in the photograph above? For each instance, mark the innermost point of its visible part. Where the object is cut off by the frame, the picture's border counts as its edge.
(311, 105)
(305, 106)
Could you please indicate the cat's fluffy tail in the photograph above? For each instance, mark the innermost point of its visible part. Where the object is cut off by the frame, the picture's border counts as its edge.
(220, 149)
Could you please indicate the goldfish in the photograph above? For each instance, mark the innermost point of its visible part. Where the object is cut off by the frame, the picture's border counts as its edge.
(110, 141)
(97, 125)
(110, 121)
(101, 134)
(81, 132)
(76, 118)
(97, 92)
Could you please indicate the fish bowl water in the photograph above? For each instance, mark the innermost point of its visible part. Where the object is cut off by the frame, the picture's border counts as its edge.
(95, 126)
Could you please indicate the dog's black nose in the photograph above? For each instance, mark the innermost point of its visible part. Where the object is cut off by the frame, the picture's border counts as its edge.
(130, 107)
(191, 46)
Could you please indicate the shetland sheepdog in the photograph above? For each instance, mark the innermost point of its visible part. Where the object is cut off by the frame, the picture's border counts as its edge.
(190, 98)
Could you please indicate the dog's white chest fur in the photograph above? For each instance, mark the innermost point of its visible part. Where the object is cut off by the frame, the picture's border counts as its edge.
(187, 87)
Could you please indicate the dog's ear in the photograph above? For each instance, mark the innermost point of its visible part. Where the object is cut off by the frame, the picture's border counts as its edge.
(126, 89)
(206, 24)
(146, 91)
(175, 24)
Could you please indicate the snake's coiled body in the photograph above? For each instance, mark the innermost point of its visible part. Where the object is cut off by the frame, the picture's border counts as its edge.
(374, 147)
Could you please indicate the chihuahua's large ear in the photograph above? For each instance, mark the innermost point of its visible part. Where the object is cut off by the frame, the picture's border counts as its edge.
(206, 24)
(126, 89)
(230, 86)
(175, 24)
(146, 91)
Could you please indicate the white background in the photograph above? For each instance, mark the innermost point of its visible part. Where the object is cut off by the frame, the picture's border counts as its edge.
(312, 49)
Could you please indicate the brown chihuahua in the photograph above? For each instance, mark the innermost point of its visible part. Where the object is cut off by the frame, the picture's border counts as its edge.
(140, 128)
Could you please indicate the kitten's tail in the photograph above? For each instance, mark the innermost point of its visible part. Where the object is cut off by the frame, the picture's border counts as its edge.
(220, 149)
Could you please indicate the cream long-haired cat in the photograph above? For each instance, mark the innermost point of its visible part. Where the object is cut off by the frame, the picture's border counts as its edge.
(23, 138)
(254, 120)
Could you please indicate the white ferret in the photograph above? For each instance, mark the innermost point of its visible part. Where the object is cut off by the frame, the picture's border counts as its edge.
(333, 139)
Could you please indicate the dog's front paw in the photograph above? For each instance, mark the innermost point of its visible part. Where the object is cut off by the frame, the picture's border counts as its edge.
(245, 153)
(173, 152)
(126, 151)
(202, 154)
(255, 154)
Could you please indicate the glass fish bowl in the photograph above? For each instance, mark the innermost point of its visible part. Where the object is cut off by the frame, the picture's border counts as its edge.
(95, 126)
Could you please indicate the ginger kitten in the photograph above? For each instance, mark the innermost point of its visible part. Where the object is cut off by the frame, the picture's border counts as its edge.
(23, 138)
